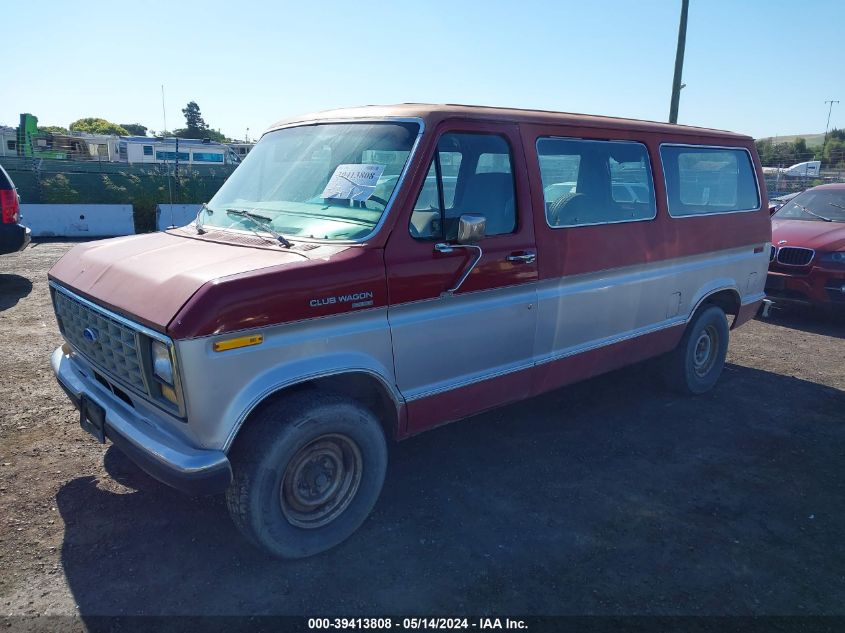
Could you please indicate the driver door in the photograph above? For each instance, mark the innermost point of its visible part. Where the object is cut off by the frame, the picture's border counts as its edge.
(460, 348)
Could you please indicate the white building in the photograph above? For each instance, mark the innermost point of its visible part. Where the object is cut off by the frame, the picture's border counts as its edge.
(145, 149)
(240, 148)
(9, 140)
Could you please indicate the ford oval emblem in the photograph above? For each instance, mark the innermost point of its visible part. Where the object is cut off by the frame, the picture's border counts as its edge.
(90, 334)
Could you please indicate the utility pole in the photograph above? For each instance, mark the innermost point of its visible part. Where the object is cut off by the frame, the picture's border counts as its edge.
(827, 125)
(679, 63)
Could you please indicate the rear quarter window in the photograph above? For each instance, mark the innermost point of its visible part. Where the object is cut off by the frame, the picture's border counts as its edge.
(708, 180)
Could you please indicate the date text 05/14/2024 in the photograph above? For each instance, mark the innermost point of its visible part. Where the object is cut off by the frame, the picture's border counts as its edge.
(417, 623)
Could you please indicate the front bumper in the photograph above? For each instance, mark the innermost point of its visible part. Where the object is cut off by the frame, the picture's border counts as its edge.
(144, 439)
(819, 287)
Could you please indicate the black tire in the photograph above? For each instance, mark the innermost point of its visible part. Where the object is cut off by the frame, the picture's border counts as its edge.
(695, 365)
(299, 450)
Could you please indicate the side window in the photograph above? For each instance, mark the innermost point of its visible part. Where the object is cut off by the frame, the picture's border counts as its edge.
(471, 173)
(704, 180)
(595, 182)
(148, 150)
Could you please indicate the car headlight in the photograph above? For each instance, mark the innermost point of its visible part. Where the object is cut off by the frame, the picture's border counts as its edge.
(836, 257)
(162, 362)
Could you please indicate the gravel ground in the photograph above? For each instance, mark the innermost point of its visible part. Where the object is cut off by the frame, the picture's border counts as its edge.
(607, 497)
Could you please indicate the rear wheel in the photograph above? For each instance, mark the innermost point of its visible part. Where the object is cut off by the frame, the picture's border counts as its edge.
(696, 364)
(307, 472)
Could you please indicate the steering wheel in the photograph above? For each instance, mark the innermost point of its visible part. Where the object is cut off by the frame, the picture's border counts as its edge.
(378, 199)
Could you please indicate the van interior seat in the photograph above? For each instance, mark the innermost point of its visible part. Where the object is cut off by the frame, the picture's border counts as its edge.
(490, 194)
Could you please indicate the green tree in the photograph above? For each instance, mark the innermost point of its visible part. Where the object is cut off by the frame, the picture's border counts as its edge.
(58, 190)
(834, 149)
(195, 125)
(52, 129)
(94, 125)
(786, 154)
(800, 147)
(214, 135)
(193, 118)
(135, 129)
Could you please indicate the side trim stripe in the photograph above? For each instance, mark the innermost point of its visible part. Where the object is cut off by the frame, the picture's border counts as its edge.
(574, 351)
(550, 358)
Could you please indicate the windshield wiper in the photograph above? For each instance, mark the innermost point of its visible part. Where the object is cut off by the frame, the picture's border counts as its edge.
(838, 206)
(806, 210)
(261, 220)
(198, 223)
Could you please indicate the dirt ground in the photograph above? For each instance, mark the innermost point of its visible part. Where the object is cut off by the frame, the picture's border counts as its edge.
(607, 497)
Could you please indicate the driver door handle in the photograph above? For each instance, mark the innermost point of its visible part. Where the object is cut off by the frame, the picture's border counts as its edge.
(526, 257)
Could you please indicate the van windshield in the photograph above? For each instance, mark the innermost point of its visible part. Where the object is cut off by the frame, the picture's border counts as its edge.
(329, 181)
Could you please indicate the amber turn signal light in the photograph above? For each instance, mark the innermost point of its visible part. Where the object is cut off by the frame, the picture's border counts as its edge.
(235, 343)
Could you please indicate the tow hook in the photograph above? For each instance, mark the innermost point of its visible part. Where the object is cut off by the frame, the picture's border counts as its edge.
(768, 304)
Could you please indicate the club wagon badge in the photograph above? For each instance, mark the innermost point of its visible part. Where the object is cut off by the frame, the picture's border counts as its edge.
(355, 300)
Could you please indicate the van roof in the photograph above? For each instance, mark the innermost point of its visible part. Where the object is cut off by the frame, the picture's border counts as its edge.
(433, 113)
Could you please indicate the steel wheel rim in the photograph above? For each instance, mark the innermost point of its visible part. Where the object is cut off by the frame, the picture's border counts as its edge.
(705, 350)
(320, 481)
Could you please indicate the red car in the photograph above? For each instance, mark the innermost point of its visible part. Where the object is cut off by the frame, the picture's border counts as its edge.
(807, 261)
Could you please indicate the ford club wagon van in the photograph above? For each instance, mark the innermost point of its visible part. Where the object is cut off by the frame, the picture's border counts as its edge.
(368, 274)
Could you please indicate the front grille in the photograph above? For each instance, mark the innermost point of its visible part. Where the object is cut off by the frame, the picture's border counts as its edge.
(795, 256)
(110, 345)
(772, 253)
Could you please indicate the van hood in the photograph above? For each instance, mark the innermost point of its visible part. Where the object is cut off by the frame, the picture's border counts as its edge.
(150, 277)
(815, 234)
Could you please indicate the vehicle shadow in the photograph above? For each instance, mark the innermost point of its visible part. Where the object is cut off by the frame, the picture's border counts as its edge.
(809, 320)
(607, 497)
(13, 288)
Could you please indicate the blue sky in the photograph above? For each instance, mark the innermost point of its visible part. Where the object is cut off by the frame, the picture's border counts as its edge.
(753, 66)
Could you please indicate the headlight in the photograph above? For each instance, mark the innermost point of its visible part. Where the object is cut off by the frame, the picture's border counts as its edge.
(837, 257)
(162, 362)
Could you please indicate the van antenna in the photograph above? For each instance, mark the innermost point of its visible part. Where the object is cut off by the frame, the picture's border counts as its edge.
(167, 166)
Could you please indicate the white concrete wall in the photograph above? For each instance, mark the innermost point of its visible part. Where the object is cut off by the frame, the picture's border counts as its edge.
(78, 220)
(181, 214)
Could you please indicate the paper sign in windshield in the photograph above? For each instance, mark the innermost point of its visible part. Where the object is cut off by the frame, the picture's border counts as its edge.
(353, 182)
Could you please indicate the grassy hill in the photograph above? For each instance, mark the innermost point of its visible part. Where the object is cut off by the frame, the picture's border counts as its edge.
(813, 140)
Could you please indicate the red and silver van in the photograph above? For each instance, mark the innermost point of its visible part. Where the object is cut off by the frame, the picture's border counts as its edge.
(368, 274)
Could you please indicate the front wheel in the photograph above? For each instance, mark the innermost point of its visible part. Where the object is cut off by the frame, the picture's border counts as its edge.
(307, 472)
(695, 365)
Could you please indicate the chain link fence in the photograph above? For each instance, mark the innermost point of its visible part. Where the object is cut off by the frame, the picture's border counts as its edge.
(44, 181)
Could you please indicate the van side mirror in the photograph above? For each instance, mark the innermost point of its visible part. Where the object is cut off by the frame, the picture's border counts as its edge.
(471, 228)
